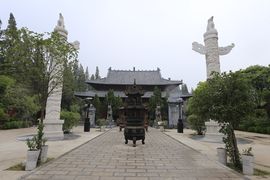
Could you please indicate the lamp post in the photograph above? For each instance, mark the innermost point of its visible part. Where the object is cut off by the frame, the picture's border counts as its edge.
(87, 119)
(180, 125)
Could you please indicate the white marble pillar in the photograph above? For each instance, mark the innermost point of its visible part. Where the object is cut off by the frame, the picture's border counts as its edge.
(212, 51)
(92, 115)
(53, 124)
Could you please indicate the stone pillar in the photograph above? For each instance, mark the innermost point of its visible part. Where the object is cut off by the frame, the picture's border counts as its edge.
(173, 114)
(109, 115)
(212, 51)
(53, 124)
(92, 115)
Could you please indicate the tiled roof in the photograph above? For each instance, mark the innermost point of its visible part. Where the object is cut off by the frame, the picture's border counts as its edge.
(124, 77)
(121, 94)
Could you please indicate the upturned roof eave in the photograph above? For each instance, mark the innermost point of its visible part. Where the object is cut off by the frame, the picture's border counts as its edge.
(131, 83)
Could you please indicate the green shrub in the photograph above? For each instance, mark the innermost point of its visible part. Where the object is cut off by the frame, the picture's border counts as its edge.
(3, 117)
(71, 119)
(268, 130)
(101, 122)
(251, 129)
(196, 124)
(13, 125)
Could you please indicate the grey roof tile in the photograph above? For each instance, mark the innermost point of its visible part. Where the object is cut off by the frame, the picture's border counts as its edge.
(119, 77)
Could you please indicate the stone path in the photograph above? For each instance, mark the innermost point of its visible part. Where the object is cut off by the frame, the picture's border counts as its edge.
(108, 158)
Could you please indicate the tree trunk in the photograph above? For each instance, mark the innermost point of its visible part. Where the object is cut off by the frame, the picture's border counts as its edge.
(236, 157)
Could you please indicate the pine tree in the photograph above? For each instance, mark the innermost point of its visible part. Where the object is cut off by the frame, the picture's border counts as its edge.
(12, 31)
(68, 87)
(1, 45)
(12, 22)
(76, 70)
(92, 77)
(97, 105)
(13, 51)
(86, 74)
(81, 85)
(97, 76)
(184, 89)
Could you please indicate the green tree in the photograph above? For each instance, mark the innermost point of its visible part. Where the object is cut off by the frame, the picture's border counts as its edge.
(92, 77)
(154, 101)
(71, 119)
(5, 84)
(52, 55)
(196, 123)
(195, 111)
(17, 103)
(97, 76)
(230, 99)
(68, 87)
(97, 105)
(38, 63)
(259, 77)
(1, 44)
(11, 49)
(87, 74)
(12, 25)
(115, 102)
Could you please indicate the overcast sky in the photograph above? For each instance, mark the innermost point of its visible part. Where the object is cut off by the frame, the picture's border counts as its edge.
(147, 34)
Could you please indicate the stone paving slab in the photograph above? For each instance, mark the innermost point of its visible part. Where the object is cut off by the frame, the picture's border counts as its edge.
(107, 157)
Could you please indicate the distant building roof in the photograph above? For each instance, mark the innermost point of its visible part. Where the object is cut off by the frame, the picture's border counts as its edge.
(126, 77)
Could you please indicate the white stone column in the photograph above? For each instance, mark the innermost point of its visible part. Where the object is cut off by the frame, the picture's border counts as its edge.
(92, 115)
(212, 51)
(53, 124)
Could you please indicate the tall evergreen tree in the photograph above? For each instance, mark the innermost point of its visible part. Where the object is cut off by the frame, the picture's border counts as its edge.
(1, 44)
(97, 105)
(97, 76)
(68, 87)
(92, 77)
(10, 47)
(12, 25)
(86, 74)
(81, 85)
(75, 69)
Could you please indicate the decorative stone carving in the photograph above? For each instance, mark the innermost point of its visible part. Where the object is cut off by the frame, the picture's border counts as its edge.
(53, 124)
(210, 25)
(76, 45)
(60, 27)
(225, 50)
(211, 49)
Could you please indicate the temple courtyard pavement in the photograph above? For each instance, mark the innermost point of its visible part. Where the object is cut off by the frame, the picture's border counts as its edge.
(97, 155)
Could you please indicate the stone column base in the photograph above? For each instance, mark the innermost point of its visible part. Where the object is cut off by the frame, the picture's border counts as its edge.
(53, 129)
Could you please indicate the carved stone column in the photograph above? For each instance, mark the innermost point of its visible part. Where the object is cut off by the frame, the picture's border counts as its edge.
(53, 124)
(212, 51)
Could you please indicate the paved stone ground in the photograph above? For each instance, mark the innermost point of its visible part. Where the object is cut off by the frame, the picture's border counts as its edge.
(108, 158)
